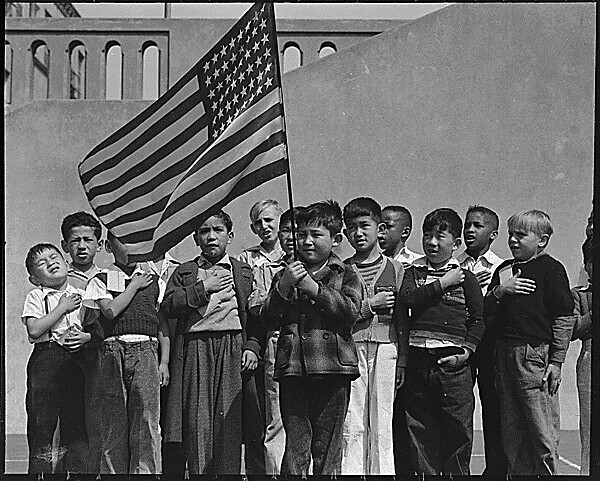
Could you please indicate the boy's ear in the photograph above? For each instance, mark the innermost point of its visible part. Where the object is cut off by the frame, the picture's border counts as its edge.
(100, 244)
(493, 235)
(108, 247)
(405, 232)
(34, 280)
(337, 239)
(230, 237)
(543, 242)
(457, 244)
(196, 239)
(64, 246)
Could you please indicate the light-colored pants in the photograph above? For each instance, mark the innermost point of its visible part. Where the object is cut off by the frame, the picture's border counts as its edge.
(368, 443)
(274, 435)
(584, 387)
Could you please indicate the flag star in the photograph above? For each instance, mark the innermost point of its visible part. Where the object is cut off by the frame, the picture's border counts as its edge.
(215, 58)
(257, 62)
(223, 50)
(268, 67)
(243, 92)
(239, 35)
(254, 31)
(222, 129)
(247, 27)
(207, 81)
(263, 23)
(262, 8)
(247, 54)
(260, 75)
(227, 106)
(228, 78)
(242, 76)
(214, 121)
(256, 47)
(255, 16)
(224, 66)
(214, 106)
(217, 70)
(251, 84)
(237, 112)
(232, 43)
(235, 98)
(220, 113)
(244, 105)
(268, 82)
(229, 120)
(259, 89)
(219, 86)
(251, 99)
(267, 52)
(211, 94)
(215, 134)
(265, 38)
(250, 68)
(233, 83)
(233, 56)
(206, 67)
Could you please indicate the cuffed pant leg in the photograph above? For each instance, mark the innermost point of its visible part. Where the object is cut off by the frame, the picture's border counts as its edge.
(293, 402)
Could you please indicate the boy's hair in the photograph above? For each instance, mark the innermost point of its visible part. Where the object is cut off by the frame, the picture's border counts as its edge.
(587, 249)
(261, 205)
(221, 215)
(35, 251)
(535, 221)
(80, 219)
(486, 212)
(362, 206)
(286, 217)
(326, 213)
(444, 219)
(402, 211)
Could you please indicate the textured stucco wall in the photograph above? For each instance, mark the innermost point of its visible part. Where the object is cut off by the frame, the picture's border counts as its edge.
(490, 104)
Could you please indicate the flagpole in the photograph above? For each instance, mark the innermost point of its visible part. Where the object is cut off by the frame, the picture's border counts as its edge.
(288, 175)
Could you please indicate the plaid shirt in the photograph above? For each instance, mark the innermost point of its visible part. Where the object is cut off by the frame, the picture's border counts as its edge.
(316, 334)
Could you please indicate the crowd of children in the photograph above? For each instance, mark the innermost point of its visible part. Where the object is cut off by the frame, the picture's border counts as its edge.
(289, 360)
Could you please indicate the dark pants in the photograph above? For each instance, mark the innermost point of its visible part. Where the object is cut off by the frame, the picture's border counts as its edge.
(253, 419)
(55, 391)
(402, 460)
(313, 413)
(439, 413)
(484, 371)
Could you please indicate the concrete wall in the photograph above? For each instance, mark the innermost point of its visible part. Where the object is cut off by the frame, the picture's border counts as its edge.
(489, 104)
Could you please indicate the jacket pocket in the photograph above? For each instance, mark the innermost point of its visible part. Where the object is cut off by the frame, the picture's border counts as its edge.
(284, 351)
(346, 351)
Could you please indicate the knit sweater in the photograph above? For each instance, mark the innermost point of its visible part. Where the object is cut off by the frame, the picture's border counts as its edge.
(454, 314)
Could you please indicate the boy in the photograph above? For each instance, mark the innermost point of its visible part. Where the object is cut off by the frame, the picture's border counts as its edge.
(314, 302)
(82, 240)
(392, 240)
(446, 327)
(381, 338)
(583, 313)
(55, 382)
(220, 350)
(530, 298)
(263, 454)
(130, 374)
(480, 230)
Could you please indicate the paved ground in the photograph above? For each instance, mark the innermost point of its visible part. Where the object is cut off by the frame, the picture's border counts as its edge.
(16, 453)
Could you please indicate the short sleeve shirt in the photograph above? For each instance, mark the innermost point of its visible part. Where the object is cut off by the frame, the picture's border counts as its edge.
(43, 300)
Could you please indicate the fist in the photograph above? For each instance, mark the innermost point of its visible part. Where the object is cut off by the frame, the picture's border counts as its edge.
(453, 277)
(70, 302)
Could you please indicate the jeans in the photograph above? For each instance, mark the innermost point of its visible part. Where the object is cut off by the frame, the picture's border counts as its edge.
(55, 392)
(584, 388)
(529, 415)
(313, 412)
(439, 413)
(129, 395)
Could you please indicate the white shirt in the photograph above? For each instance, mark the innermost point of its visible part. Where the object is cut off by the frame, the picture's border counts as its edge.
(257, 255)
(406, 256)
(41, 301)
(486, 262)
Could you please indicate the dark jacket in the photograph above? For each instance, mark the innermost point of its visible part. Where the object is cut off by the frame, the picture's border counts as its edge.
(182, 298)
(316, 334)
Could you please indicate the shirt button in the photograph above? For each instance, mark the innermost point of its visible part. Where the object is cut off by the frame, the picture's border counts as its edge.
(325, 335)
(304, 336)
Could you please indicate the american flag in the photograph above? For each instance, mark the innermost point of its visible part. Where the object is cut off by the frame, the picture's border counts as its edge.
(215, 135)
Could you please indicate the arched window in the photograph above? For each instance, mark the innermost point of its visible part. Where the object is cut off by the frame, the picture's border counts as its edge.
(77, 58)
(114, 71)
(150, 69)
(7, 73)
(40, 56)
(292, 57)
(327, 48)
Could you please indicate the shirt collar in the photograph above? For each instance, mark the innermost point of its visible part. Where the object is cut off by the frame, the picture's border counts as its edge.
(276, 254)
(91, 272)
(334, 263)
(203, 262)
(46, 291)
(424, 262)
(490, 257)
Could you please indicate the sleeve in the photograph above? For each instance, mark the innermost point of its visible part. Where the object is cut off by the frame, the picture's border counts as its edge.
(563, 319)
(256, 335)
(343, 304)
(583, 319)
(96, 290)
(474, 305)
(275, 311)
(400, 318)
(33, 306)
(183, 293)
(491, 303)
(245, 257)
(413, 296)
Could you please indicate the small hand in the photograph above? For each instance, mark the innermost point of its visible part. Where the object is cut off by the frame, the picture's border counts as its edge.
(382, 300)
(70, 302)
(217, 281)
(483, 277)
(552, 378)
(141, 280)
(453, 277)
(518, 285)
(249, 361)
(76, 338)
(292, 274)
(455, 361)
(400, 376)
(163, 370)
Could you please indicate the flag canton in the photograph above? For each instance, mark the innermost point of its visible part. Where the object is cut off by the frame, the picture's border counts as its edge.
(239, 70)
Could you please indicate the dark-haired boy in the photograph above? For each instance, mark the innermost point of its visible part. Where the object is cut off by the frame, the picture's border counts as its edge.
(446, 327)
(392, 239)
(381, 338)
(221, 346)
(480, 230)
(55, 382)
(315, 302)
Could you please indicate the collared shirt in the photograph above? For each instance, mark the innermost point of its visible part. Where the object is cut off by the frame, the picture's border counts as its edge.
(487, 262)
(80, 279)
(221, 312)
(41, 301)
(407, 257)
(163, 271)
(257, 255)
(433, 275)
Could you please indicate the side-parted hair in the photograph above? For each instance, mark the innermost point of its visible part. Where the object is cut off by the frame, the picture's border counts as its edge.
(587, 248)
(222, 216)
(402, 211)
(326, 213)
(535, 221)
(80, 219)
(261, 205)
(286, 217)
(444, 219)
(486, 212)
(34, 252)
(362, 206)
